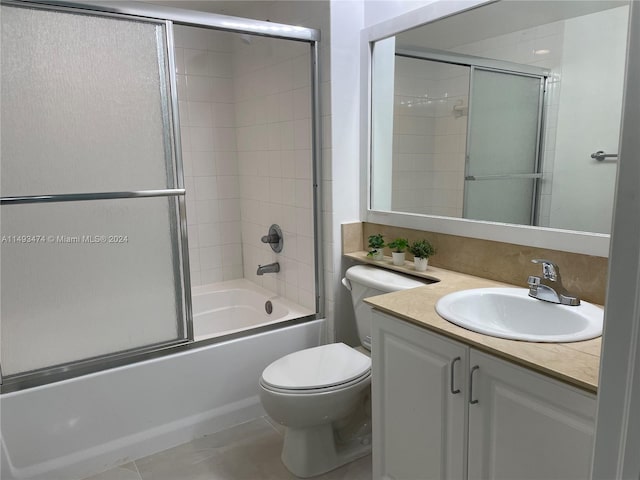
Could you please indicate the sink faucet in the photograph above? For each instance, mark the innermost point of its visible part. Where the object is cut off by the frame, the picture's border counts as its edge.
(271, 268)
(549, 288)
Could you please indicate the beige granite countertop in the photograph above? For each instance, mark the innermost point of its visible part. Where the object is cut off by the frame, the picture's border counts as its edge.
(577, 363)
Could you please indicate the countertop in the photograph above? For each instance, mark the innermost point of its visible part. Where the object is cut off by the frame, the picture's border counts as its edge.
(576, 363)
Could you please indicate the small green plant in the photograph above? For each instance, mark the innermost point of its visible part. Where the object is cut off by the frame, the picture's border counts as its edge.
(422, 249)
(376, 243)
(399, 245)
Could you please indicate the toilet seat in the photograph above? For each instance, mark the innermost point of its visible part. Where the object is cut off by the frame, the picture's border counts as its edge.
(318, 369)
(313, 391)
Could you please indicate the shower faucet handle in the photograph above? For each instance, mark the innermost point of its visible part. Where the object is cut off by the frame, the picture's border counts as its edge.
(270, 238)
(274, 238)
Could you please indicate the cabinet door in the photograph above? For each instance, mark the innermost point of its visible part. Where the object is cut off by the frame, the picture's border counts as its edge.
(525, 425)
(419, 414)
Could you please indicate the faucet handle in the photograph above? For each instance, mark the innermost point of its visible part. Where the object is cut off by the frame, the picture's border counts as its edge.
(550, 270)
(274, 238)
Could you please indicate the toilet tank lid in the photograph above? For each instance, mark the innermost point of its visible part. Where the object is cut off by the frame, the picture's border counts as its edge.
(380, 279)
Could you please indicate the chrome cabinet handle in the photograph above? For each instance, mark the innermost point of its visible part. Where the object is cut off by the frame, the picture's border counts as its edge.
(452, 376)
(472, 401)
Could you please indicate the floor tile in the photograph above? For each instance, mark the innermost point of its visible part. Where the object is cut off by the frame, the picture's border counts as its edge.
(123, 472)
(249, 451)
(357, 470)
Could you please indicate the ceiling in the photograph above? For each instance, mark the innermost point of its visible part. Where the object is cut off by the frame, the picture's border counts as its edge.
(496, 19)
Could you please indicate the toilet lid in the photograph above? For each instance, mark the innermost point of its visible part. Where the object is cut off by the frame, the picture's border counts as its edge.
(318, 367)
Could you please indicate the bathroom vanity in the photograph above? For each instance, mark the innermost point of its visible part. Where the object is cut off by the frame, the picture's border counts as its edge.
(452, 403)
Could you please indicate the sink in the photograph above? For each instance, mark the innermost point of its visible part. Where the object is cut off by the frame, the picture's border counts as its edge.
(512, 313)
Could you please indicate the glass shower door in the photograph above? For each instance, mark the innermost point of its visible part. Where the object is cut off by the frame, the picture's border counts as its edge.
(501, 168)
(93, 257)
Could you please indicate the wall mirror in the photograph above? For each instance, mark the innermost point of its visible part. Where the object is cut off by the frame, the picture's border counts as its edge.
(509, 112)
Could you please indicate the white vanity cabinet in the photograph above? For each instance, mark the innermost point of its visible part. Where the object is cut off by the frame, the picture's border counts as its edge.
(443, 410)
(419, 411)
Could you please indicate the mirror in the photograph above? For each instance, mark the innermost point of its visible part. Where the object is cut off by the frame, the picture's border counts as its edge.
(502, 113)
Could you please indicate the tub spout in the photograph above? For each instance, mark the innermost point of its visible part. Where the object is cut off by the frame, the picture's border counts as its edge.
(271, 268)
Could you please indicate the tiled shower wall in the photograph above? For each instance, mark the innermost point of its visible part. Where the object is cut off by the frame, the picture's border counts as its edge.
(204, 61)
(245, 108)
(273, 118)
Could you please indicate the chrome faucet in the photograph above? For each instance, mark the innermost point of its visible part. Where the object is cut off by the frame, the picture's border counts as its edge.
(549, 288)
(271, 268)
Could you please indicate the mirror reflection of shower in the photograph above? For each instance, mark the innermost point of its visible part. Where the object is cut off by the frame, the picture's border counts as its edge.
(419, 147)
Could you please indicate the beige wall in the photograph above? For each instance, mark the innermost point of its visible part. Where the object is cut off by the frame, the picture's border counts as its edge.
(584, 275)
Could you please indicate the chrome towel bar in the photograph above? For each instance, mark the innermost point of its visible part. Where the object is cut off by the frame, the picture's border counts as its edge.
(503, 177)
(600, 155)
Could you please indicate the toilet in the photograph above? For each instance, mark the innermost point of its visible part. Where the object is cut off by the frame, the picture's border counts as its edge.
(322, 394)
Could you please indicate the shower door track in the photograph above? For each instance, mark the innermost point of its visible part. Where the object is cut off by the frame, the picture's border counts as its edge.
(170, 16)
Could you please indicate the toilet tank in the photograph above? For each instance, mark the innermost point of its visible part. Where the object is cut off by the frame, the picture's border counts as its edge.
(366, 281)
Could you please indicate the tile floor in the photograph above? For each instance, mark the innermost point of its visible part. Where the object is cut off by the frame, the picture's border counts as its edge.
(249, 451)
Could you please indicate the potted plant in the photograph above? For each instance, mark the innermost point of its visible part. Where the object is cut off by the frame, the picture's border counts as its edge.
(376, 244)
(398, 246)
(421, 251)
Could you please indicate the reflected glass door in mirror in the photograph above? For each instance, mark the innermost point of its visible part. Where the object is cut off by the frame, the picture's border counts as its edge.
(493, 114)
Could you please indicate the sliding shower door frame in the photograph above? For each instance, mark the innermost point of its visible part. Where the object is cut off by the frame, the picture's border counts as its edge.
(498, 66)
(536, 175)
(168, 17)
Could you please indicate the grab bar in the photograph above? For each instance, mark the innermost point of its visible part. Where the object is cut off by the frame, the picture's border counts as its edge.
(600, 155)
(503, 177)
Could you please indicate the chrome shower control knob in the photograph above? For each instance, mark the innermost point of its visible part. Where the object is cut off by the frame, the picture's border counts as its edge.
(274, 238)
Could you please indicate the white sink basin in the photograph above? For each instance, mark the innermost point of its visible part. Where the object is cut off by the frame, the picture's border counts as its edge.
(511, 313)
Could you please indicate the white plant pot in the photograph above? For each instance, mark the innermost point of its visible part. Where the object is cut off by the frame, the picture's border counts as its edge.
(378, 255)
(420, 264)
(398, 258)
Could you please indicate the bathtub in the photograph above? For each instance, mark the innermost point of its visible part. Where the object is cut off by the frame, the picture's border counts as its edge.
(236, 305)
(75, 428)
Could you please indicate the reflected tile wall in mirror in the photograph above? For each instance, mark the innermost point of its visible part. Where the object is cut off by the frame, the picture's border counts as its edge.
(581, 107)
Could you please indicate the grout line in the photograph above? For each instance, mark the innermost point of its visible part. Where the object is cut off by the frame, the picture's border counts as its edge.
(137, 469)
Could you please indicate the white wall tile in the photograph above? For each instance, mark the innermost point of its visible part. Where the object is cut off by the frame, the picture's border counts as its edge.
(246, 132)
(224, 139)
(207, 211)
(204, 163)
(200, 114)
(196, 62)
(206, 188)
(201, 139)
(221, 89)
(223, 115)
(209, 234)
(226, 163)
(199, 88)
(220, 64)
(213, 275)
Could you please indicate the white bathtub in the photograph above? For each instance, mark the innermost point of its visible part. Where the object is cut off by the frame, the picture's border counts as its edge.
(75, 428)
(236, 305)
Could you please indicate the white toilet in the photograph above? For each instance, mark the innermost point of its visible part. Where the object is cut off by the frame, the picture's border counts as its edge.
(321, 394)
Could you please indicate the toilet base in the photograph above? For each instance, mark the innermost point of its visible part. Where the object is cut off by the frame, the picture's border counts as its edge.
(308, 452)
